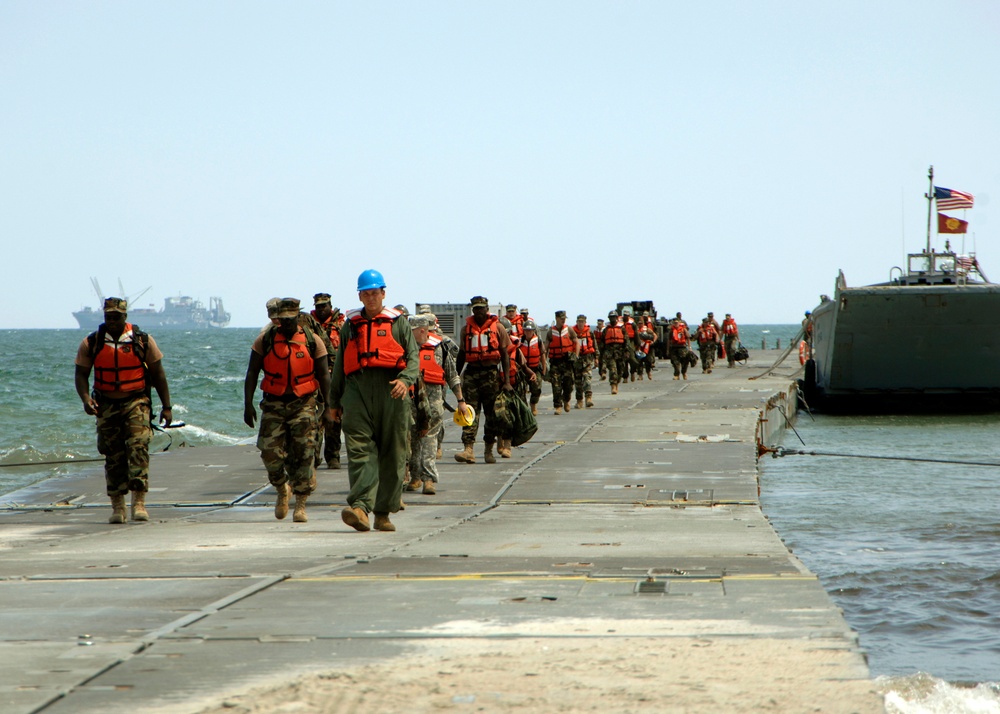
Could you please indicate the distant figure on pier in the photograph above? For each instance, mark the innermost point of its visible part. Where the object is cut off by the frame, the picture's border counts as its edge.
(534, 357)
(602, 371)
(585, 364)
(126, 363)
(438, 372)
(613, 339)
(328, 318)
(647, 338)
(679, 351)
(377, 365)
(483, 346)
(708, 340)
(807, 329)
(296, 379)
(731, 338)
(563, 350)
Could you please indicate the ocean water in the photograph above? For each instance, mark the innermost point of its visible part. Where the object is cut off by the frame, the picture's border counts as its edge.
(909, 550)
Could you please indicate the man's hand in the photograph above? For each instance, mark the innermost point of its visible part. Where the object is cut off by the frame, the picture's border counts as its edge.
(507, 386)
(398, 389)
(337, 412)
(330, 416)
(249, 415)
(90, 406)
(166, 416)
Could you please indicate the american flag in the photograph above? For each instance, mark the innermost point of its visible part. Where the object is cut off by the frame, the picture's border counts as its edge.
(950, 199)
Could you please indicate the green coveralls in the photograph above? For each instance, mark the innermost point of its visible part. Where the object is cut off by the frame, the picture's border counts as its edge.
(375, 426)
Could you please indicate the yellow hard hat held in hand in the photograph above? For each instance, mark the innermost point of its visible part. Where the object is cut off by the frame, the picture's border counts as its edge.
(464, 416)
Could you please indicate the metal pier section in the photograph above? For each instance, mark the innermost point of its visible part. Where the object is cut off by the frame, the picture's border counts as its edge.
(636, 521)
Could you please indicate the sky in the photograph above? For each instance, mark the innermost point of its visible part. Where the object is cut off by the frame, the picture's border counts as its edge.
(724, 156)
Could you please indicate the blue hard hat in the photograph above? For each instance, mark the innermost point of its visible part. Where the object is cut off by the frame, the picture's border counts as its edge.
(370, 279)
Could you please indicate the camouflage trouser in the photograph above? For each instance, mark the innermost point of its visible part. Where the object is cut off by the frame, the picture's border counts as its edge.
(707, 352)
(480, 387)
(535, 388)
(123, 434)
(602, 369)
(731, 342)
(646, 364)
(287, 442)
(612, 361)
(327, 440)
(581, 376)
(678, 358)
(561, 376)
(423, 449)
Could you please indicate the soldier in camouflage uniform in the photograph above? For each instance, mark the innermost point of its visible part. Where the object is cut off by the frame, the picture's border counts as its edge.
(679, 340)
(436, 365)
(585, 364)
(602, 371)
(327, 318)
(533, 350)
(614, 340)
(127, 363)
(484, 353)
(292, 395)
(563, 350)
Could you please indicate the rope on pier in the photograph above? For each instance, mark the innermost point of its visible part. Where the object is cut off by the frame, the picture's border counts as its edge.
(776, 451)
(61, 462)
(784, 355)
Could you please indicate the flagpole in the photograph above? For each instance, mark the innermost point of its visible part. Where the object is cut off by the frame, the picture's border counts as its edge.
(930, 197)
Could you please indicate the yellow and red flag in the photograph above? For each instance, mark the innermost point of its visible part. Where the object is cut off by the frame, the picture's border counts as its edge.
(947, 224)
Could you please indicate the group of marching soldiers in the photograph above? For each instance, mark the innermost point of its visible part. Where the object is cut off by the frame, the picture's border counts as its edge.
(417, 364)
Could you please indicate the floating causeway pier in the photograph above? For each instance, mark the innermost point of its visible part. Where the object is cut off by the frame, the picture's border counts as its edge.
(624, 538)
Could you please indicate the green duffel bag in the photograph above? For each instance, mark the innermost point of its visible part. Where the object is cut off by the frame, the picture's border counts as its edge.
(514, 418)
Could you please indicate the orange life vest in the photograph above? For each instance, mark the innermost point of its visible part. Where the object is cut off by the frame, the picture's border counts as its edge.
(482, 344)
(532, 351)
(707, 335)
(630, 328)
(430, 370)
(330, 325)
(289, 366)
(614, 335)
(586, 340)
(516, 325)
(679, 335)
(512, 355)
(117, 366)
(372, 343)
(560, 343)
(729, 326)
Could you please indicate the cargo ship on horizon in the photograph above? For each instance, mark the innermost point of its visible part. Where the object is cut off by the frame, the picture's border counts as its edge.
(179, 313)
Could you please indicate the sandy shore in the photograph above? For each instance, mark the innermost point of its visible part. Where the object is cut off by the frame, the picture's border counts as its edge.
(625, 674)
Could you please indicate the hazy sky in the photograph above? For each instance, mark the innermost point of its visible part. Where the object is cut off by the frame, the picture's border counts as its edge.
(726, 156)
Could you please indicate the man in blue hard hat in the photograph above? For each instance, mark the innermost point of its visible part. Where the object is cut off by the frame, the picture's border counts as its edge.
(376, 366)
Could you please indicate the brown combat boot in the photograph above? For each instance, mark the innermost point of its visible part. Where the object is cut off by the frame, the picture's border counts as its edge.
(640, 376)
(117, 509)
(590, 401)
(503, 448)
(614, 389)
(439, 454)
(566, 407)
(430, 488)
(382, 522)
(414, 484)
(281, 505)
(299, 514)
(466, 457)
(488, 456)
(139, 506)
(534, 410)
(579, 404)
(356, 518)
(334, 463)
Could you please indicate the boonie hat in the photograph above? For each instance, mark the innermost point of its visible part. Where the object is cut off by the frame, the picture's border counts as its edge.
(479, 300)
(114, 304)
(423, 309)
(511, 307)
(419, 321)
(288, 307)
(272, 307)
(581, 317)
(560, 313)
(320, 298)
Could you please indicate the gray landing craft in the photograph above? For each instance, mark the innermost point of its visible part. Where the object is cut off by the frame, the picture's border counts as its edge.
(925, 340)
(179, 313)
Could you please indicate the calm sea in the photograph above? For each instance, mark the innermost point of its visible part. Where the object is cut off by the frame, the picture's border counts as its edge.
(909, 550)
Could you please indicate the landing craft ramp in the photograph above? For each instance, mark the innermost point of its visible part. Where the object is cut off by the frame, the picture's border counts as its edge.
(629, 526)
